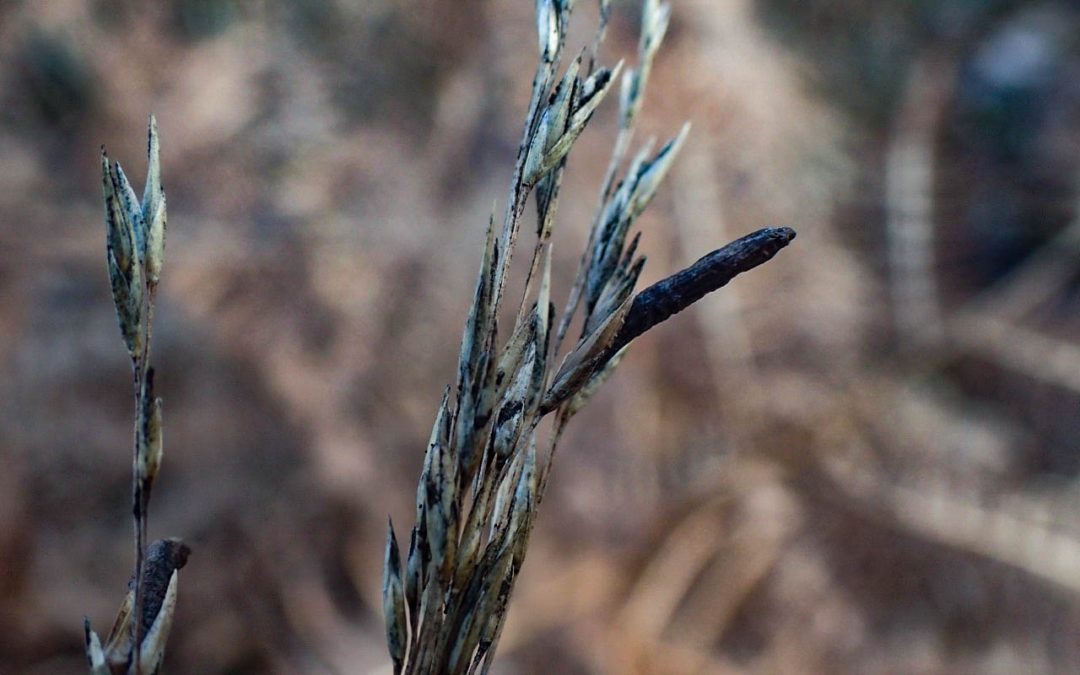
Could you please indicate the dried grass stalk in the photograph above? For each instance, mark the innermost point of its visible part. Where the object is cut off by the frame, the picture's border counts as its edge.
(483, 477)
(135, 252)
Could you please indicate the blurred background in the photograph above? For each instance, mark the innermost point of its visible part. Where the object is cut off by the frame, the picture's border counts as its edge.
(862, 457)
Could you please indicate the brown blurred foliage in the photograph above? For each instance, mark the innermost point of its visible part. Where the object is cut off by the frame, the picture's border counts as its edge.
(860, 458)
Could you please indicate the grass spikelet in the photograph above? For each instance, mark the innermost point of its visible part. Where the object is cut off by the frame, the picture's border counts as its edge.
(483, 477)
(394, 601)
(134, 254)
